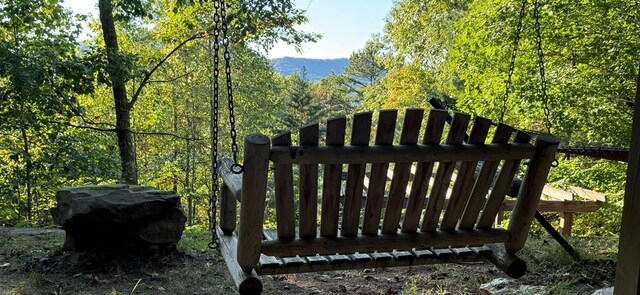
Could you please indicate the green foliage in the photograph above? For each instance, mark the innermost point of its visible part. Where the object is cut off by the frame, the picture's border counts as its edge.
(300, 107)
(460, 51)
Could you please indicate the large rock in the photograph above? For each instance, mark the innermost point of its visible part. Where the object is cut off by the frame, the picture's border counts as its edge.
(117, 217)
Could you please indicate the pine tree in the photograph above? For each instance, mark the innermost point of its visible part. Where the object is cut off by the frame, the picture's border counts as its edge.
(301, 107)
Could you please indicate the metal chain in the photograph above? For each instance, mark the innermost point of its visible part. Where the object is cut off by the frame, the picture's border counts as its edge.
(236, 168)
(512, 64)
(543, 79)
(214, 126)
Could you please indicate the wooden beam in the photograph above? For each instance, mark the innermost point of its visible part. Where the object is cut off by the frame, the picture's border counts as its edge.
(246, 282)
(382, 243)
(566, 222)
(399, 153)
(529, 195)
(628, 267)
(254, 190)
(588, 194)
(231, 180)
(558, 206)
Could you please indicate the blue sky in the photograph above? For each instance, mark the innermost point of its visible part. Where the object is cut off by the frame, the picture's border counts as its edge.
(344, 24)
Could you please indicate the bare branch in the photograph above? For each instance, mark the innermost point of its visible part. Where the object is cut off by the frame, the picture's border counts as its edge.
(148, 74)
(170, 79)
(164, 134)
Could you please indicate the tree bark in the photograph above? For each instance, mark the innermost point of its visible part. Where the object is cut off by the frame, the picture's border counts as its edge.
(28, 167)
(123, 108)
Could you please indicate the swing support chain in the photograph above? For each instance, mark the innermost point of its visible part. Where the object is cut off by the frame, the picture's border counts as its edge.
(512, 64)
(220, 37)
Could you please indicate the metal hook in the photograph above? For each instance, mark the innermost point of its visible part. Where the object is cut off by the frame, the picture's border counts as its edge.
(237, 168)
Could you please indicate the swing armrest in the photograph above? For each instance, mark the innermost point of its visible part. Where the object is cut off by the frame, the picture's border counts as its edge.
(231, 181)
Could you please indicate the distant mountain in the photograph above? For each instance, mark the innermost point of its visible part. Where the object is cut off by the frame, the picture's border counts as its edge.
(316, 68)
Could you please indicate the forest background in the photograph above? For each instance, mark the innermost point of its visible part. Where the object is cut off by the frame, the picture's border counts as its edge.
(132, 104)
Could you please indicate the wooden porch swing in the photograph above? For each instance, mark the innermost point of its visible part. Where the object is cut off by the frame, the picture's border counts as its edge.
(322, 233)
(349, 237)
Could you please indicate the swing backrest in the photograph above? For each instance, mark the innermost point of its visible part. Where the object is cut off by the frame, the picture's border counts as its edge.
(419, 207)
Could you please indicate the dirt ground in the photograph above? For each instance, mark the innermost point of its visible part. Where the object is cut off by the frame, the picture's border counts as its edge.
(32, 262)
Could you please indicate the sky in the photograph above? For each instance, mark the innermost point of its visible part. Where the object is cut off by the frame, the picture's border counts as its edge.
(345, 25)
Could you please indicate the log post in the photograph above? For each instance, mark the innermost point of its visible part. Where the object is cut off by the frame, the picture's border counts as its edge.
(508, 263)
(254, 189)
(566, 222)
(530, 191)
(628, 266)
(228, 206)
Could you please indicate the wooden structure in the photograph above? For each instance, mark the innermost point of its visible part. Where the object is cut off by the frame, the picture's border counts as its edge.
(319, 234)
(566, 202)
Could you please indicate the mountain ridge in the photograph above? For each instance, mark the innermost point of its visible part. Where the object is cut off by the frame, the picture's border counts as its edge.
(316, 68)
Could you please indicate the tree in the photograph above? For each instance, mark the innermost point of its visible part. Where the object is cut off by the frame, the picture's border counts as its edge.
(40, 74)
(254, 21)
(301, 109)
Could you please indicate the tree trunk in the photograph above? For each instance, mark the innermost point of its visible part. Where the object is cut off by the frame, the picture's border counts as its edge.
(28, 166)
(123, 115)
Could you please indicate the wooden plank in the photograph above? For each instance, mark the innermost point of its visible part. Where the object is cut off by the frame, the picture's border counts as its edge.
(228, 208)
(346, 265)
(481, 250)
(377, 181)
(332, 178)
(566, 222)
(402, 255)
(360, 134)
(464, 183)
(359, 257)
(443, 175)
(423, 254)
(462, 251)
(588, 194)
(382, 243)
(293, 261)
(247, 282)
(308, 185)
(443, 253)
(529, 195)
(485, 178)
(401, 171)
(381, 256)
(231, 180)
(338, 259)
(557, 206)
(628, 266)
(269, 261)
(254, 190)
(556, 194)
(423, 172)
(316, 260)
(283, 178)
(399, 153)
(501, 186)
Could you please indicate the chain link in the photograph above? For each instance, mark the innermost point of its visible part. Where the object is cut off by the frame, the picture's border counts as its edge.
(214, 126)
(543, 79)
(512, 64)
(236, 168)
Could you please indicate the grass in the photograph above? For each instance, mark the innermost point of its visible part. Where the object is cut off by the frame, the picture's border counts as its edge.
(38, 266)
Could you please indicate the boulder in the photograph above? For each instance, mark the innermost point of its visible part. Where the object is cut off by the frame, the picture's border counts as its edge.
(117, 217)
